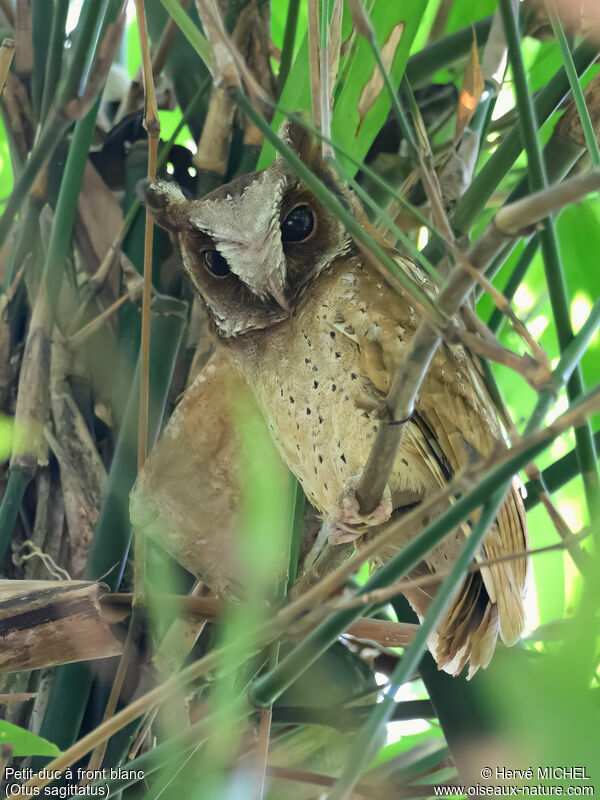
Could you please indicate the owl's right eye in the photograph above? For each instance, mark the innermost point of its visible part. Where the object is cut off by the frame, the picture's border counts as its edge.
(216, 264)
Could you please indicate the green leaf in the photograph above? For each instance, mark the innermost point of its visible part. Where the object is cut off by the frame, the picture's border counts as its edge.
(346, 128)
(464, 12)
(25, 743)
(191, 31)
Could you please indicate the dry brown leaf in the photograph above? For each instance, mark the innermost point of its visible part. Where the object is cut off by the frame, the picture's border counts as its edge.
(82, 473)
(374, 85)
(134, 282)
(224, 70)
(569, 125)
(470, 93)
(29, 446)
(49, 528)
(100, 216)
(47, 623)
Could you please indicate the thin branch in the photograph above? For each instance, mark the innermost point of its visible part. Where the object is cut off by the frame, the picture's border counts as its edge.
(584, 116)
(269, 630)
(517, 276)
(7, 52)
(518, 216)
(152, 125)
(555, 278)
(93, 326)
(364, 745)
(17, 697)
(378, 596)
(417, 141)
(262, 751)
(405, 386)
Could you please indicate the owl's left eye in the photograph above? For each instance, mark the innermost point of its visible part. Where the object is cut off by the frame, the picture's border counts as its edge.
(298, 225)
(216, 263)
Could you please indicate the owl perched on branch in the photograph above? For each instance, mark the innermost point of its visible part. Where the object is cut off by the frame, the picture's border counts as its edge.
(310, 326)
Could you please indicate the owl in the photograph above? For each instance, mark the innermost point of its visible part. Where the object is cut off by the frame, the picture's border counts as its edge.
(310, 326)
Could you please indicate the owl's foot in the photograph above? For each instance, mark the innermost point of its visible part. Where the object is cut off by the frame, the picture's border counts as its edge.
(345, 523)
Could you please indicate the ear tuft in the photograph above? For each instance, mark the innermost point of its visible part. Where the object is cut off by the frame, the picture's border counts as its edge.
(301, 140)
(166, 202)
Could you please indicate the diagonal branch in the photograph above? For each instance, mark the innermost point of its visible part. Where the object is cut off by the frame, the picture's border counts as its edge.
(405, 386)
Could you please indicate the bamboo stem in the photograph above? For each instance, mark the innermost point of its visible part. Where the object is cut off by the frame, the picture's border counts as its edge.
(332, 203)
(556, 475)
(584, 116)
(18, 481)
(58, 123)
(289, 39)
(515, 280)
(494, 170)
(272, 684)
(33, 386)
(56, 48)
(152, 125)
(411, 372)
(190, 31)
(111, 535)
(555, 278)
(267, 686)
(365, 744)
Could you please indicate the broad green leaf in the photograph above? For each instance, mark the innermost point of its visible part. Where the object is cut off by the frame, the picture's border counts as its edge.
(464, 12)
(25, 743)
(346, 128)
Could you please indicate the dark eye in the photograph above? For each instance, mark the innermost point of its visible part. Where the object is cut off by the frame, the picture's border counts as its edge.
(216, 264)
(298, 225)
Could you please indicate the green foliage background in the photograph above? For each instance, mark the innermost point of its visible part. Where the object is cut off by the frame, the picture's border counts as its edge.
(558, 722)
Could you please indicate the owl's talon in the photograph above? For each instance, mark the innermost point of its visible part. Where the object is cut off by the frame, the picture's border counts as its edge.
(346, 523)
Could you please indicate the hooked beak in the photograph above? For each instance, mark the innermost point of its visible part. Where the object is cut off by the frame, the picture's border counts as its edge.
(276, 292)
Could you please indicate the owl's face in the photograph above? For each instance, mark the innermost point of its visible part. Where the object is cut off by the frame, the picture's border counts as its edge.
(253, 247)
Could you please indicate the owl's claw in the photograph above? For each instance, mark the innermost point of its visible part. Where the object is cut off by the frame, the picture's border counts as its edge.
(346, 523)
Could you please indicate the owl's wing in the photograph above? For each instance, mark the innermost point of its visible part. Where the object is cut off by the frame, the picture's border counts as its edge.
(187, 496)
(458, 415)
(454, 420)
